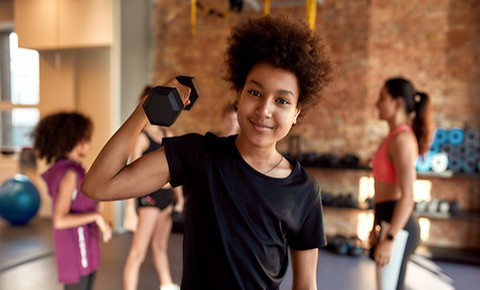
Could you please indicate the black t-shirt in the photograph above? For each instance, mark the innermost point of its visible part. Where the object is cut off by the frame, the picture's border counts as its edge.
(239, 223)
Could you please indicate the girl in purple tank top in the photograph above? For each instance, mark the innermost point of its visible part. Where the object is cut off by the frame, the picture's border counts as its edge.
(63, 139)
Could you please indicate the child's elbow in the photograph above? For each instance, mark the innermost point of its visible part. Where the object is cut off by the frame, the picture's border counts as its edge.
(58, 223)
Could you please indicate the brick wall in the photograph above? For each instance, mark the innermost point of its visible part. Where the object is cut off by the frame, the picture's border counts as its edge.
(434, 43)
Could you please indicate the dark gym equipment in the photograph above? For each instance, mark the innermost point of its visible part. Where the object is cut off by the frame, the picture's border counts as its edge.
(454, 208)
(343, 245)
(355, 246)
(369, 202)
(329, 160)
(164, 104)
(308, 158)
(350, 160)
(437, 207)
(339, 245)
(327, 199)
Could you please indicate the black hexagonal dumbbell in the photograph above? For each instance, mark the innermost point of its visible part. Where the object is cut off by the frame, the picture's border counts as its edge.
(164, 104)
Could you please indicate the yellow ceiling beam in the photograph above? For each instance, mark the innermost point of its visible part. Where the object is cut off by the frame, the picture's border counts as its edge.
(193, 17)
(311, 13)
(266, 7)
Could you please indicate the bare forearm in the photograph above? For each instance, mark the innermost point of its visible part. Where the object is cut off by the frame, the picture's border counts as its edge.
(99, 183)
(404, 155)
(401, 214)
(312, 286)
(304, 269)
(74, 220)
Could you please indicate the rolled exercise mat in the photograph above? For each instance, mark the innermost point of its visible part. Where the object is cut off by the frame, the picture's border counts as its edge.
(472, 136)
(440, 162)
(424, 163)
(387, 276)
(440, 137)
(455, 163)
(435, 147)
(456, 136)
(468, 165)
(447, 148)
(465, 150)
(451, 150)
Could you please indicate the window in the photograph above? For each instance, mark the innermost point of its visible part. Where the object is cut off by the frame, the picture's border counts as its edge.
(19, 92)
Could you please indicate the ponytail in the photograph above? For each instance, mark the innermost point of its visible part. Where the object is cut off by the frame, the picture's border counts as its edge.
(422, 123)
(418, 103)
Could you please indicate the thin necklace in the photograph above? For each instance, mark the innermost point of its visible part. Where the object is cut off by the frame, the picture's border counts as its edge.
(281, 158)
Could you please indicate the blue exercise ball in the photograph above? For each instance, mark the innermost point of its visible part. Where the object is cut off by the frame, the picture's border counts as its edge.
(19, 200)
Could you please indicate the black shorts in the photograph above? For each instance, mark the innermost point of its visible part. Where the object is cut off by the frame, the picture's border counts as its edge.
(384, 212)
(160, 199)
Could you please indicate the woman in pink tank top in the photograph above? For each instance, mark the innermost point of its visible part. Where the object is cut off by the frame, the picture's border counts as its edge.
(408, 114)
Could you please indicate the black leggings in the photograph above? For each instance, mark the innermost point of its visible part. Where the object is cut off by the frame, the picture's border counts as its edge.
(85, 283)
(384, 212)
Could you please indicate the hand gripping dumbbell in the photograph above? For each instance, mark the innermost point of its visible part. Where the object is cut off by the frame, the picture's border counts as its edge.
(163, 105)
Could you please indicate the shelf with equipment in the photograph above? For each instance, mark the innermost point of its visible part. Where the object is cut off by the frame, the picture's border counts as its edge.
(446, 192)
(462, 215)
(458, 232)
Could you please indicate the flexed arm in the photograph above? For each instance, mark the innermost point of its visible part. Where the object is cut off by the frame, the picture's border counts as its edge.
(110, 178)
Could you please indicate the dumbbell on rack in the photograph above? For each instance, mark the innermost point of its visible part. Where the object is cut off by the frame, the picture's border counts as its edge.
(164, 104)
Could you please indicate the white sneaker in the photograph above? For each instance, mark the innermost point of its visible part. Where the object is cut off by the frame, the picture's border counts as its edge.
(170, 287)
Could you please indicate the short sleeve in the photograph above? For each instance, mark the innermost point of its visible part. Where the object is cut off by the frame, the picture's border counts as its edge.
(311, 233)
(182, 153)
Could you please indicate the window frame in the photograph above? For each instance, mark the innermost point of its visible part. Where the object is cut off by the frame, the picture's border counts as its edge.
(7, 106)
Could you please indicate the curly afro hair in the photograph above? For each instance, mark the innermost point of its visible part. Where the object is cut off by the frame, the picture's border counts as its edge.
(283, 42)
(57, 134)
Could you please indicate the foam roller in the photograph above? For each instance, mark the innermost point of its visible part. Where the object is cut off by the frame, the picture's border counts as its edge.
(468, 165)
(440, 137)
(456, 136)
(455, 164)
(440, 162)
(472, 136)
(424, 164)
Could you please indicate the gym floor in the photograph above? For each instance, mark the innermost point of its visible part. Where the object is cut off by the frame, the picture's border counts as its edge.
(27, 262)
